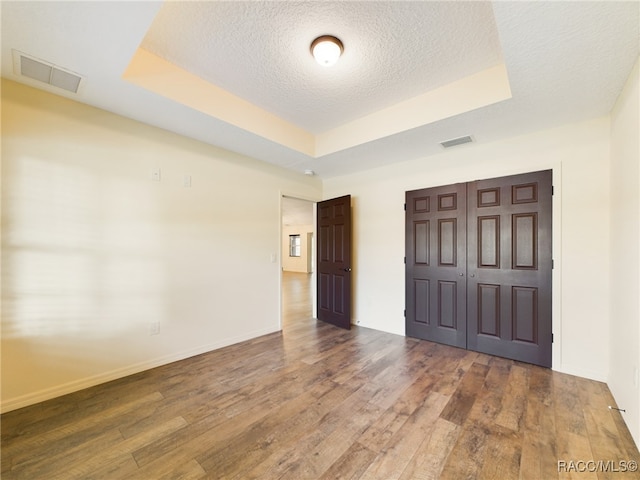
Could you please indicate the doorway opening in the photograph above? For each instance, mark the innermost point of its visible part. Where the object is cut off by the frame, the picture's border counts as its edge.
(298, 253)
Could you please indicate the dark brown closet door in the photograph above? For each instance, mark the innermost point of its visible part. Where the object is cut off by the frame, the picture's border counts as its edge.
(478, 273)
(509, 267)
(436, 264)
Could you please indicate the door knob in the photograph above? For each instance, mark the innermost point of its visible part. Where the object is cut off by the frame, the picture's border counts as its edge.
(348, 269)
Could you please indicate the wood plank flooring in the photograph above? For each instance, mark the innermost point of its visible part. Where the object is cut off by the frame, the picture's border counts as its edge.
(317, 402)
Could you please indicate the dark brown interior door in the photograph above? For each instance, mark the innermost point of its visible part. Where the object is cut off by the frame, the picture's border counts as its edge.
(436, 264)
(479, 266)
(334, 261)
(509, 267)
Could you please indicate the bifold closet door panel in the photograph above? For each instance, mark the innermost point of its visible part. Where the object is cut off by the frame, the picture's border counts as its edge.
(509, 267)
(436, 264)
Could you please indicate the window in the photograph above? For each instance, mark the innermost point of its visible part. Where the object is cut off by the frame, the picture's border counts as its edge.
(294, 245)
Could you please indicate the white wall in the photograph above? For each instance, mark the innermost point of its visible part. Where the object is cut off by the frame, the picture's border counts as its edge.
(301, 263)
(625, 253)
(94, 251)
(579, 157)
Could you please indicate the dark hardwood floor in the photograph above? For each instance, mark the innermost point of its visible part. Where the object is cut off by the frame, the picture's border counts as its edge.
(317, 402)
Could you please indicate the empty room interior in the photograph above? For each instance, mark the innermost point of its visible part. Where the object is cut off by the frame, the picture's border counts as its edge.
(320, 239)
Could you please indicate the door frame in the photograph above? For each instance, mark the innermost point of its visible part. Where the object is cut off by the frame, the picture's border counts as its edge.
(556, 249)
(556, 271)
(314, 201)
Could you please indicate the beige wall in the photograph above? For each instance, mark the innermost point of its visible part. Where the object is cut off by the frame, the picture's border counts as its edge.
(303, 262)
(94, 252)
(625, 253)
(579, 157)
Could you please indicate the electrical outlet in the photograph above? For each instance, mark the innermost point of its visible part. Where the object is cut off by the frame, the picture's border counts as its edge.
(154, 328)
(186, 181)
(155, 174)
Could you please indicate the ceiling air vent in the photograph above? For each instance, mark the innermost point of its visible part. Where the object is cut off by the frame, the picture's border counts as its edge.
(28, 66)
(457, 141)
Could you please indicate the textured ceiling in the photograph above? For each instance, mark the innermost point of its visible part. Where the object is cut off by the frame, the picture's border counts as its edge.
(392, 52)
(565, 61)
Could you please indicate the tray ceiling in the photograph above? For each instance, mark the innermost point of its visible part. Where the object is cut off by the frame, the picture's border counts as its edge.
(240, 75)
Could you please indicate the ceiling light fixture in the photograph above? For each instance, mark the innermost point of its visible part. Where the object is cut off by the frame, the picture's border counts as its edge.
(326, 50)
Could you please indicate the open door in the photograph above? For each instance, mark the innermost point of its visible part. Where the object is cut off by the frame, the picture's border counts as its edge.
(334, 261)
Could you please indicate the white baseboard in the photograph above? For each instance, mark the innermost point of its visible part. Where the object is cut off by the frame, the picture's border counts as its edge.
(80, 384)
(582, 372)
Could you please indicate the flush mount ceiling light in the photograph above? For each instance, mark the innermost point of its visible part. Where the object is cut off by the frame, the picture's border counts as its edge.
(326, 50)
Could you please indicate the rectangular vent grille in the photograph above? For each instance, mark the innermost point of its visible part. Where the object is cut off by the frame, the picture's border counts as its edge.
(457, 141)
(45, 72)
